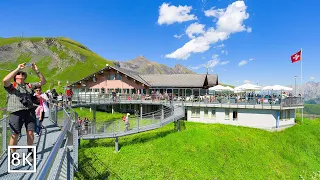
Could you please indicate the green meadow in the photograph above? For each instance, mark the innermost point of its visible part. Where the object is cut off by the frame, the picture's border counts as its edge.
(206, 151)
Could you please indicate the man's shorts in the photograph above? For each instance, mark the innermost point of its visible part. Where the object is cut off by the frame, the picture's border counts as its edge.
(26, 117)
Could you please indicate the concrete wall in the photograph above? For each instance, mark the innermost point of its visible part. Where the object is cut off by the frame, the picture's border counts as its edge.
(258, 118)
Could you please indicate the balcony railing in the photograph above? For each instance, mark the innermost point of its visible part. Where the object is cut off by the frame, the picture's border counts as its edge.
(189, 100)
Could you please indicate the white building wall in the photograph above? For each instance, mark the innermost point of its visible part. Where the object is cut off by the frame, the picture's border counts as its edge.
(285, 121)
(258, 118)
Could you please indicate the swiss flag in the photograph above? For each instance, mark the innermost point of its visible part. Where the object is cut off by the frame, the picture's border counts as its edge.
(296, 57)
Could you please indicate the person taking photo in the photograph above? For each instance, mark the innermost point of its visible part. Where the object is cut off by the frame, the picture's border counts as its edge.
(19, 103)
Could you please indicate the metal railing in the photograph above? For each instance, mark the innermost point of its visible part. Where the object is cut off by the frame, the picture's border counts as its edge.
(252, 102)
(4, 129)
(68, 138)
(137, 122)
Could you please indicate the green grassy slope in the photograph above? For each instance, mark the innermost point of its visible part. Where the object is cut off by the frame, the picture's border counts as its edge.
(206, 151)
(73, 71)
(312, 109)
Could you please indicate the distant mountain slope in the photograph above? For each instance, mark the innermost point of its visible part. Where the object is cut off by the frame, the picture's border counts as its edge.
(59, 59)
(142, 65)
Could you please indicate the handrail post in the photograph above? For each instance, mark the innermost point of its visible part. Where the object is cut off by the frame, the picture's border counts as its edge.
(116, 144)
(56, 114)
(140, 116)
(162, 116)
(4, 134)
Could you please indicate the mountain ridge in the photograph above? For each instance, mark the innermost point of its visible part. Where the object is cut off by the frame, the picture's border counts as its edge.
(142, 65)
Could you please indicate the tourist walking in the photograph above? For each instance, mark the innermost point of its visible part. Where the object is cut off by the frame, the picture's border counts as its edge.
(19, 103)
(69, 94)
(125, 119)
(41, 110)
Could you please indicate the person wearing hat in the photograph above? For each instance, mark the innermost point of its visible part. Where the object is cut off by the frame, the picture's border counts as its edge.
(19, 103)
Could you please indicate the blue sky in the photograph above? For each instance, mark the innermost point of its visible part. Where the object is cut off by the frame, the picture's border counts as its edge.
(268, 32)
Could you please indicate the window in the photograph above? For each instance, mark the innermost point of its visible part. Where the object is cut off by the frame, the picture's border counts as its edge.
(118, 77)
(288, 114)
(213, 113)
(195, 112)
(206, 112)
(110, 91)
(103, 91)
(111, 77)
(125, 91)
(235, 115)
(281, 115)
(118, 90)
(227, 112)
(89, 90)
(96, 90)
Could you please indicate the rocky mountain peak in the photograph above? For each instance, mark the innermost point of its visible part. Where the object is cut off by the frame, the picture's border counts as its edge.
(142, 65)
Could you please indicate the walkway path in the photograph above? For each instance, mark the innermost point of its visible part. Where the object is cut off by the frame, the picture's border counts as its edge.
(44, 145)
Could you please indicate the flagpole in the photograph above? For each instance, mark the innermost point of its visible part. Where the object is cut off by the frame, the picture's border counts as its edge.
(301, 86)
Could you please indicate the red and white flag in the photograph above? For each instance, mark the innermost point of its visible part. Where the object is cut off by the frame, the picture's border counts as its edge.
(296, 57)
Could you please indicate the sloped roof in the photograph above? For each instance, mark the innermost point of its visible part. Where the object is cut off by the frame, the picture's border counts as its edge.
(212, 79)
(166, 80)
(131, 74)
(179, 80)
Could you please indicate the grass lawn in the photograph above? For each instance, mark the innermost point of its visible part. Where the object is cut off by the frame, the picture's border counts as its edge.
(206, 151)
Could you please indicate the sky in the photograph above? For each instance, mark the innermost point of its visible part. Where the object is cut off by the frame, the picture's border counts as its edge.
(241, 41)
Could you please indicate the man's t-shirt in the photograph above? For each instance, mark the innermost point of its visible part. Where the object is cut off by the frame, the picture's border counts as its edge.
(15, 93)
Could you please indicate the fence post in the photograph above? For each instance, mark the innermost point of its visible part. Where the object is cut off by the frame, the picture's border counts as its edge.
(140, 117)
(162, 116)
(152, 118)
(116, 144)
(56, 114)
(4, 134)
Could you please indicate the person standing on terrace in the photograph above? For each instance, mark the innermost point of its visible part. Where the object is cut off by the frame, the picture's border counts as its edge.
(19, 103)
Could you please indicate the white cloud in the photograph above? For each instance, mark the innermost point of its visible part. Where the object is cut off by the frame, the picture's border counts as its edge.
(220, 46)
(242, 63)
(246, 81)
(214, 13)
(212, 63)
(178, 36)
(224, 52)
(169, 14)
(195, 28)
(203, 57)
(249, 29)
(224, 62)
(230, 20)
(312, 78)
(251, 59)
(195, 67)
(198, 45)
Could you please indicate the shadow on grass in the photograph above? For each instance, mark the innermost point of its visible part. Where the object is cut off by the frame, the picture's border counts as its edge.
(129, 140)
(88, 171)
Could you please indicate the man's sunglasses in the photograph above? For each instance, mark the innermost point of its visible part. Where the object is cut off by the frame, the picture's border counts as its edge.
(21, 73)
